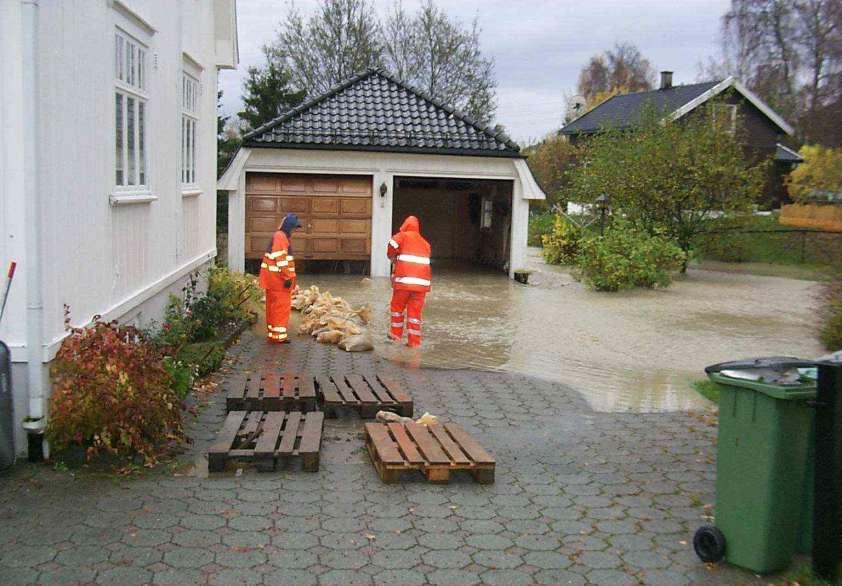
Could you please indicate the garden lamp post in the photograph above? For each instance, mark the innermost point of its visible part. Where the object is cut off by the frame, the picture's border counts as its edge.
(602, 200)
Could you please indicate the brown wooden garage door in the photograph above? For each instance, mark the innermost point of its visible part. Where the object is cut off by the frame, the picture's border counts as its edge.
(334, 211)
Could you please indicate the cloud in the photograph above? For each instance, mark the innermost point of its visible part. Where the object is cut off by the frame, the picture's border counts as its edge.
(538, 46)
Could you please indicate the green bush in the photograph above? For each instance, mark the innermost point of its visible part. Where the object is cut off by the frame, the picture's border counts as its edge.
(626, 257)
(207, 316)
(830, 331)
(179, 326)
(561, 245)
(181, 376)
(540, 224)
(204, 357)
(233, 292)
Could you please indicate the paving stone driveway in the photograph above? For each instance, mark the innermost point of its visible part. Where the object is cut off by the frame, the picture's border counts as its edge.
(580, 498)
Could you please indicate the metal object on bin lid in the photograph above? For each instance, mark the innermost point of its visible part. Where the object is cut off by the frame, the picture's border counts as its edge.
(790, 376)
(833, 357)
(779, 370)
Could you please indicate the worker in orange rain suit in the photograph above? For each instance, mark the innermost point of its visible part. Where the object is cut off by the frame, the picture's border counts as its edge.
(410, 253)
(277, 277)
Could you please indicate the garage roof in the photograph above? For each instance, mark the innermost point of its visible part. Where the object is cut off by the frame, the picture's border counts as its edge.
(376, 112)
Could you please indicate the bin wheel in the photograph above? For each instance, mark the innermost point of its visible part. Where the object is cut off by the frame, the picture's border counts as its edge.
(709, 543)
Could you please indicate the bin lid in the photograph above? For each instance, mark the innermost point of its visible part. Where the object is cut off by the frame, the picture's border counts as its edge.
(783, 377)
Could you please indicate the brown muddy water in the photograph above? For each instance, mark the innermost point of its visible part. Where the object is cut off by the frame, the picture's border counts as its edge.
(631, 351)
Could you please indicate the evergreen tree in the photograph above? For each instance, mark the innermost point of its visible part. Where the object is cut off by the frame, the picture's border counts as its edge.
(266, 91)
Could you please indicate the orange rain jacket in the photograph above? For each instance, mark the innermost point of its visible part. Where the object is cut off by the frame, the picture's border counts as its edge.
(277, 265)
(411, 254)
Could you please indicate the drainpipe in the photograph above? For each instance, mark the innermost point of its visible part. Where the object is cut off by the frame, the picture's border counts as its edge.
(34, 423)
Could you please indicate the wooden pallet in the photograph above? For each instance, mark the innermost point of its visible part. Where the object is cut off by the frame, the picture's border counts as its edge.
(435, 450)
(268, 390)
(268, 438)
(366, 395)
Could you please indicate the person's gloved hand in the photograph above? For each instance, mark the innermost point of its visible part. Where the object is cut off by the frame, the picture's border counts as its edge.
(288, 283)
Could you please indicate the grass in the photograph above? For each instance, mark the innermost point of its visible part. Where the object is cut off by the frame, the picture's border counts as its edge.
(708, 389)
(762, 240)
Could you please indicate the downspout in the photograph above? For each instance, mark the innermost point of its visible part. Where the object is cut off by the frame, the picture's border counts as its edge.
(34, 423)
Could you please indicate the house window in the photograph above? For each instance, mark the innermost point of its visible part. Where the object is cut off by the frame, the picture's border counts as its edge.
(130, 111)
(487, 211)
(189, 121)
(726, 116)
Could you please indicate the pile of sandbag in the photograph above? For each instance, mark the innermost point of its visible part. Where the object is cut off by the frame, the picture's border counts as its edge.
(332, 320)
(389, 417)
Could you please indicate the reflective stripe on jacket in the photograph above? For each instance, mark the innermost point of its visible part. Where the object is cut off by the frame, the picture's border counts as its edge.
(411, 254)
(277, 265)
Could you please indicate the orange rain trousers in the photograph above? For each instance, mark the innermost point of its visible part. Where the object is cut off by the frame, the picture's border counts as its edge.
(411, 302)
(278, 303)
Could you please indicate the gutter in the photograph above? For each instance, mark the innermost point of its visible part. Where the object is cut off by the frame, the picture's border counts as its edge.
(386, 149)
(34, 422)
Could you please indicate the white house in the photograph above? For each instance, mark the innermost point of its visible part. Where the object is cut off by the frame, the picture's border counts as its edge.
(352, 163)
(107, 165)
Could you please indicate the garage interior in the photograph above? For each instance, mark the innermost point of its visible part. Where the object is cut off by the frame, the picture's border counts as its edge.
(467, 221)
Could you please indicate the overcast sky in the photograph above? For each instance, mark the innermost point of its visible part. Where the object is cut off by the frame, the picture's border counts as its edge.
(538, 46)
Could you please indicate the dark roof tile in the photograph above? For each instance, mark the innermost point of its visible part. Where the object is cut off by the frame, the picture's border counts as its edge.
(624, 111)
(375, 111)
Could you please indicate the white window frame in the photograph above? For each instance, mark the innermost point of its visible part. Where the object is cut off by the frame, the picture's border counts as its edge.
(190, 100)
(486, 212)
(131, 67)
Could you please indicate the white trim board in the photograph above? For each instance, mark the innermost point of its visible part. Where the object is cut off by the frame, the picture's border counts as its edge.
(129, 13)
(732, 82)
(789, 150)
(120, 308)
(298, 163)
(231, 177)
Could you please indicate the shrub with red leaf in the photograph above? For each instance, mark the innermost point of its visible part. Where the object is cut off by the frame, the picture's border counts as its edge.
(112, 395)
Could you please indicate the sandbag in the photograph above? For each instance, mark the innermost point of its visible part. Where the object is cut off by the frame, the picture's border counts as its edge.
(427, 419)
(332, 320)
(358, 343)
(389, 417)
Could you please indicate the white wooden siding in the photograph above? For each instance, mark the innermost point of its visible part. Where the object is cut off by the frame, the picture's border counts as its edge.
(193, 223)
(12, 203)
(99, 256)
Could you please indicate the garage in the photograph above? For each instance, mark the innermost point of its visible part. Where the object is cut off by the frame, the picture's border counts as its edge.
(356, 160)
(334, 212)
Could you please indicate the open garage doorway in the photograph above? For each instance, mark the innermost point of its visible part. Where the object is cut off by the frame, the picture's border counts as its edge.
(466, 221)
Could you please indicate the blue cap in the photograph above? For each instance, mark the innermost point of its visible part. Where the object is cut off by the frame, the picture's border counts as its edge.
(290, 223)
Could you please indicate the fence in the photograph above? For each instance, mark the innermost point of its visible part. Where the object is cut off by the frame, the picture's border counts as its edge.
(786, 246)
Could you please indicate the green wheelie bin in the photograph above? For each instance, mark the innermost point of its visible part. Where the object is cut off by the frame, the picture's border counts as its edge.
(765, 419)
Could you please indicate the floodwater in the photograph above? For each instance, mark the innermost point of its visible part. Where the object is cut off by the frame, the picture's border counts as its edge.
(631, 351)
